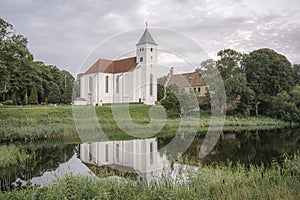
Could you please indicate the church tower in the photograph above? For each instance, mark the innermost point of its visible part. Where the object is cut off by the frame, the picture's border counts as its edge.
(146, 57)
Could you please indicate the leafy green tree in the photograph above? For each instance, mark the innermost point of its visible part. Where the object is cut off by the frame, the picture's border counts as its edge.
(18, 71)
(54, 95)
(230, 62)
(211, 75)
(268, 73)
(33, 99)
(238, 94)
(171, 103)
(161, 87)
(296, 73)
(178, 102)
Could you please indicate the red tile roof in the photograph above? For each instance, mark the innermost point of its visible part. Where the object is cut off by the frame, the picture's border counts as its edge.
(80, 99)
(109, 66)
(193, 79)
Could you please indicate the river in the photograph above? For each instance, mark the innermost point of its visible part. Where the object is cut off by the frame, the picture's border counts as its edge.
(144, 158)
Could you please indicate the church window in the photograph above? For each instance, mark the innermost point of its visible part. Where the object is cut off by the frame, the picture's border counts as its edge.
(151, 49)
(141, 59)
(117, 84)
(106, 152)
(151, 153)
(118, 152)
(90, 85)
(143, 49)
(106, 84)
(199, 89)
(151, 84)
(90, 152)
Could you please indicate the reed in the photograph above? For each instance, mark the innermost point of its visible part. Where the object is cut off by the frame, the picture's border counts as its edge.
(278, 181)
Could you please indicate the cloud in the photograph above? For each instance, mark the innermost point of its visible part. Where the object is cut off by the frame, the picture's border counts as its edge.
(64, 32)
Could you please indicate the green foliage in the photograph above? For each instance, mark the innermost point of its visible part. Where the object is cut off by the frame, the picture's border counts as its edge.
(205, 182)
(18, 71)
(33, 99)
(13, 155)
(268, 73)
(286, 105)
(54, 95)
(7, 102)
(171, 102)
(161, 87)
(296, 73)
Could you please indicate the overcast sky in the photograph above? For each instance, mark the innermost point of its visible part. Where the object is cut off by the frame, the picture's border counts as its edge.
(64, 33)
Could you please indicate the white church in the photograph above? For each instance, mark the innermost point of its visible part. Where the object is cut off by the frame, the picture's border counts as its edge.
(129, 80)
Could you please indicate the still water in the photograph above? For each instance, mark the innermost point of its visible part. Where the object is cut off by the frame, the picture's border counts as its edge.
(144, 158)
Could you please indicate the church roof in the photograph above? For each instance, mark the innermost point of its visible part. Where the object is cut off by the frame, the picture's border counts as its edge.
(146, 38)
(110, 66)
(193, 79)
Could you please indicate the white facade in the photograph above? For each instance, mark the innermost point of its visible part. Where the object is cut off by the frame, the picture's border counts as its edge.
(139, 156)
(138, 84)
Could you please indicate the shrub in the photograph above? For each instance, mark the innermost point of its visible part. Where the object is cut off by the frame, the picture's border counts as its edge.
(7, 102)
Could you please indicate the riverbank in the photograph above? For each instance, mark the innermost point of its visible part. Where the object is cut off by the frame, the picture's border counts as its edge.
(209, 182)
(32, 123)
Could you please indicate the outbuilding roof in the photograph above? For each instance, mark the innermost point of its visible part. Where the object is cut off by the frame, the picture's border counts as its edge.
(193, 79)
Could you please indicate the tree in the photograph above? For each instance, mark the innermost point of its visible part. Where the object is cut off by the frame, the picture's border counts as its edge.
(286, 105)
(171, 103)
(161, 87)
(18, 71)
(267, 73)
(296, 73)
(215, 84)
(238, 94)
(178, 102)
(54, 95)
(33, 99)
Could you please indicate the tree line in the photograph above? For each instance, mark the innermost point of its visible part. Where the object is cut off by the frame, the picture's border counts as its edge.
(25, 81)
(262, 82)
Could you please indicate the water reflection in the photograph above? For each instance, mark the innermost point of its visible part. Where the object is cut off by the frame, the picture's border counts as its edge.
(248, 147)
(146, 159)
(139, 157)
(46, 158)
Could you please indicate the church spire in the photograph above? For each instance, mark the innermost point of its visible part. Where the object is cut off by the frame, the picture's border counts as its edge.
(146, 37)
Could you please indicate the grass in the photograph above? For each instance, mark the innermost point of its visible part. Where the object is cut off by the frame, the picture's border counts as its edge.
(34, 123)
(279, 181)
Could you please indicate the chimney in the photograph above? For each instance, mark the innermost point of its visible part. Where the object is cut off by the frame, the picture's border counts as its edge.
(172, 71)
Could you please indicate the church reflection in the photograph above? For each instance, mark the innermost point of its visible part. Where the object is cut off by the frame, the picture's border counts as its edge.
(138, 157)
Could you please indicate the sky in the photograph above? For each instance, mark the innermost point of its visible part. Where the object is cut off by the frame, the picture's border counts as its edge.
(70, 32)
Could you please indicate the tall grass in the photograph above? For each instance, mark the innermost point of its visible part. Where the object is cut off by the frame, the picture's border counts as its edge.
(55, 122)
(209, 182)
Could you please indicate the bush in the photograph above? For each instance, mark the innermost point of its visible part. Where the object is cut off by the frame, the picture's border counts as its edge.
(7, 102)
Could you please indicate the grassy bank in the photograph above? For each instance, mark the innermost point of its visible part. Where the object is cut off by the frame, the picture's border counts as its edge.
(217, 182)
(58, 122)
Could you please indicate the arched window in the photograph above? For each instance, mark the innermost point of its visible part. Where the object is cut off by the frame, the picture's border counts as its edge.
(151, 84)
(90, 84)
(151, 153)
(117, 84)
(106, 84)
